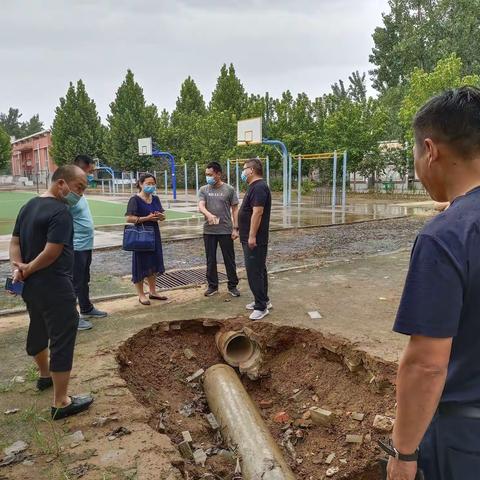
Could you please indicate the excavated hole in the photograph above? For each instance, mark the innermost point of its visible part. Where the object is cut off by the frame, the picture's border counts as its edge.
(302, 369)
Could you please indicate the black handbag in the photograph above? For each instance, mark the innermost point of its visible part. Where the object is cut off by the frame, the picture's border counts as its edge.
(138, 238)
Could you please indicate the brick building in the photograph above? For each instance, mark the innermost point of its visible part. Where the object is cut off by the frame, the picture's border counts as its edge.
(31, 158)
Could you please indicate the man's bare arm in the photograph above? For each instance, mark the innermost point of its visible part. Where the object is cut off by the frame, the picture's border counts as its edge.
(255, 221)
(43, 260)
(235, 215)
(420, 381)
(14, 250)
(203, 209)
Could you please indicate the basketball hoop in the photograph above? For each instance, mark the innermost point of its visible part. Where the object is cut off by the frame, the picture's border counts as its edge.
(249, 131)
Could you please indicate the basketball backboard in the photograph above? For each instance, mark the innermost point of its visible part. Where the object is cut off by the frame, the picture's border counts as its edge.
(145, 146)
(249, 131)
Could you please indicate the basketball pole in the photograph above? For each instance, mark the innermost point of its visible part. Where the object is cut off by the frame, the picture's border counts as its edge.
(334, 180)
(344, 181)
(299, 180)
(237, 178)
(284, 151)
(196, 178)
(267, 168)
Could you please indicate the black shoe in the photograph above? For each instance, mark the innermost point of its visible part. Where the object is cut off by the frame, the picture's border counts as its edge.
(210, 291)
(234, 292)
(79, 404)
(44, 382)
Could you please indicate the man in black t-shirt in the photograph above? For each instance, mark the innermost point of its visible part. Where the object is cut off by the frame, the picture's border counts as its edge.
(41, 252)
(254, 222)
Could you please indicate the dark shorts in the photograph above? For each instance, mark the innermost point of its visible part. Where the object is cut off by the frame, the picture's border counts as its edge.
(53, 323)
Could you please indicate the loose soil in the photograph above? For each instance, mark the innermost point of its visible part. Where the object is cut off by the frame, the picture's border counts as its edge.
(302, 368)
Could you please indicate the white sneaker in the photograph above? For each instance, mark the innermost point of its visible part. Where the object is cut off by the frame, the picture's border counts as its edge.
(259, 314)
(251, 306)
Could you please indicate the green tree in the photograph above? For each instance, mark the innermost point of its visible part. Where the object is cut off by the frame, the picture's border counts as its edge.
(357, 124)
(5, 149)
(12, 124)
(76, 128)
(190, 108)
(190, 101)
(418, 33)
(229, 94)
(32, 126)
(422, 86)
(215, 136)
(129, 120)
(408, 39)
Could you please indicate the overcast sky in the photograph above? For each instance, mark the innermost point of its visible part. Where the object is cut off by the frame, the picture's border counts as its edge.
(301, 45)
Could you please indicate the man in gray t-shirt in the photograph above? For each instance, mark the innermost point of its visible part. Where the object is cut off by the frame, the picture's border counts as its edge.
(219, 204)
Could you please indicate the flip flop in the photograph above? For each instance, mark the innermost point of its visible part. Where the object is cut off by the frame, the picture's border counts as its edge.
(156, 297)
(145, 302)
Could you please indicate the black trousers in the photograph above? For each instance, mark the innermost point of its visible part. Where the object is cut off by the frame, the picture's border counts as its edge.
(228, 252)
(81, 279)
(450, 450)
(53, 320)
(255, 264)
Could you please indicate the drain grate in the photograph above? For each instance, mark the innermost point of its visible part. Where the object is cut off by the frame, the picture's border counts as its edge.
(184, 278)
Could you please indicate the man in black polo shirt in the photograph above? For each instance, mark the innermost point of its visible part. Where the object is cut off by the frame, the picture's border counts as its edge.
(438, 382)
(254, 222)
(41, 252)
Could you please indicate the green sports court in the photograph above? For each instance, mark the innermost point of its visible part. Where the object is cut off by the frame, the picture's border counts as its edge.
(104, 212)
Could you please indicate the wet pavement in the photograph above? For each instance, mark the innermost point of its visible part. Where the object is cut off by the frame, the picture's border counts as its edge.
(307, 214)
(287, 247)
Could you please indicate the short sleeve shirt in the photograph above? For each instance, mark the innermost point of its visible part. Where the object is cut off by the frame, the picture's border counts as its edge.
(83, 228)
(441, 297)
(42, 220)
(218, 201)
(257, 195)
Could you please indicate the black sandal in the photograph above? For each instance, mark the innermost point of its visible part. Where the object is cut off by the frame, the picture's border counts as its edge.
(156, 297)
(144, 302)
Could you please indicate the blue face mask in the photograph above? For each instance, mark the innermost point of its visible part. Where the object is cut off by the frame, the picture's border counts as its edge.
(72, 198)
(150, 189)
(243, 176)
(210, 180)
(90, 178)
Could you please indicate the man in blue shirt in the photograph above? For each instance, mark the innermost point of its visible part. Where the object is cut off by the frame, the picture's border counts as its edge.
(438, 381)
(83, 234)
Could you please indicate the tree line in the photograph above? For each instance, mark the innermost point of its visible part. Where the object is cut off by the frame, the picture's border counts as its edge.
(421, 48)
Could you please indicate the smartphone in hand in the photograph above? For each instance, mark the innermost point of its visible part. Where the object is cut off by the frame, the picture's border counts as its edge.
(15, 288)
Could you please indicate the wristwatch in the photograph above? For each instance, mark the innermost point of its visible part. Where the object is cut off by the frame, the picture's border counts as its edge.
(389, 449)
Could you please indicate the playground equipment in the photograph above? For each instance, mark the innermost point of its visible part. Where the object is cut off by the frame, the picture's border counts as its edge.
(322, 156)
(146, 147)
(249, 132)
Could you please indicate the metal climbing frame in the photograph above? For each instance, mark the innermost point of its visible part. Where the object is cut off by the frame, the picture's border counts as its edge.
(321, 156)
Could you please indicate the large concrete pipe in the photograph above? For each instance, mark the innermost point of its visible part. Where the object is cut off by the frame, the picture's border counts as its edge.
(239, 350)
(242, 426)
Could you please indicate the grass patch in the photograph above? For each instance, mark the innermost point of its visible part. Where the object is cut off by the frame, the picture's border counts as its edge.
(103, 212)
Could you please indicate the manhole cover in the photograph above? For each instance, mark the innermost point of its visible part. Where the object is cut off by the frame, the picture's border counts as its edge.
(183, 278)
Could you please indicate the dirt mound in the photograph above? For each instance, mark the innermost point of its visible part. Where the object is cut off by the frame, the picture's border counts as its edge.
(302, 369)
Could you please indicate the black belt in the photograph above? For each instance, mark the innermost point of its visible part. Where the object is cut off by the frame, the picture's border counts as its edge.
(459, 410)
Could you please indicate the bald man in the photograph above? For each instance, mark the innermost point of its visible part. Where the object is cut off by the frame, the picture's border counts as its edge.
(41, 253)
